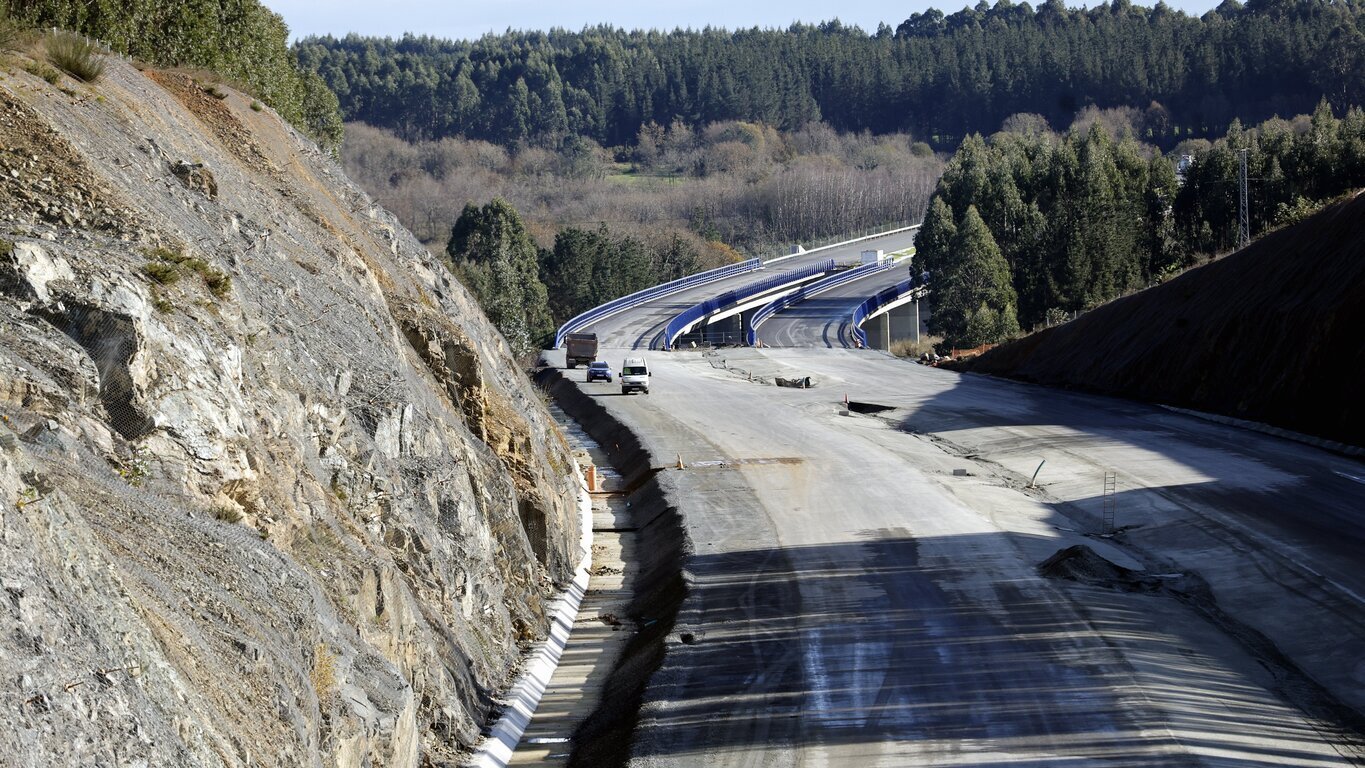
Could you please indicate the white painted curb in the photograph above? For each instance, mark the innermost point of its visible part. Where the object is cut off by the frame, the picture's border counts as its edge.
(496, 750)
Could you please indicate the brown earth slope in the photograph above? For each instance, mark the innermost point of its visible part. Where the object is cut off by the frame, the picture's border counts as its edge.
(1274, 333)
(273, 491)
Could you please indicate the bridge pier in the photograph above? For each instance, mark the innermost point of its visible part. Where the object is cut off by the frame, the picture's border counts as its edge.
(878, 331)
(903, 322)
(731, 330)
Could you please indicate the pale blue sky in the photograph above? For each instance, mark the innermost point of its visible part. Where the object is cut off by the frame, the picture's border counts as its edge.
(472, 18)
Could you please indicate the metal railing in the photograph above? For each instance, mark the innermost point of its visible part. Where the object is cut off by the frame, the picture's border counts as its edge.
(692, 314)
(583, 320)
(808, 291)
(876, 302)
(861, 233)
(633, 300)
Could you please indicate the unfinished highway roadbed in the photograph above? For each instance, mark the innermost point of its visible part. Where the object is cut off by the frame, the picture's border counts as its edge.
(881, 585)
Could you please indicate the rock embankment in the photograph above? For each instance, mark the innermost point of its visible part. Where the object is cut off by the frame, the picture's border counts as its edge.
(272, 490)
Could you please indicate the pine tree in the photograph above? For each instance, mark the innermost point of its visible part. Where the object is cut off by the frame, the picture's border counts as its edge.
(933, 243)
(492, 254)
(975, 301)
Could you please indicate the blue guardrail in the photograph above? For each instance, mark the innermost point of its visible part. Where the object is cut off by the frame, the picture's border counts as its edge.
(585, 319)
(697, 311)
(881, 299)
(807, 291)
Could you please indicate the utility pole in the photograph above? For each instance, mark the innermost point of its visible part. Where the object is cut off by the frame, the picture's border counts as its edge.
(1244, 210)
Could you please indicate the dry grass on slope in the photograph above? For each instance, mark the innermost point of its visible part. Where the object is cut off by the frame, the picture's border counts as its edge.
(1272, 333)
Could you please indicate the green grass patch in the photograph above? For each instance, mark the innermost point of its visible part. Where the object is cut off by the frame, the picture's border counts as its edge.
(76, 56)
(163, 272)
(168, 266)
(162, 304)
(635, 178)
(218, 283)
(41, 70)
(227, 513)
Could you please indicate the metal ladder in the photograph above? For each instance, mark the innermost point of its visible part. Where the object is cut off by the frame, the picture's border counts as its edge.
(1111, 501)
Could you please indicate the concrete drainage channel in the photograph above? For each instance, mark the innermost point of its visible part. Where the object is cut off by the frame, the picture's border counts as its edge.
(652, 546)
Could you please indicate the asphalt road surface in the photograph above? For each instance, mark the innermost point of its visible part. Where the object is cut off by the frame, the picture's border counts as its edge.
(864, 589)
(820, 320)
(636, 328)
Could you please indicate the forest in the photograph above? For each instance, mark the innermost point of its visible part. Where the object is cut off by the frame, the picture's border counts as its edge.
(545, 235)
(729, 188)
(935, 76)
(1027, 227)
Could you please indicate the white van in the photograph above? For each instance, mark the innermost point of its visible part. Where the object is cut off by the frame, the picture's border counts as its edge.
(634, 375)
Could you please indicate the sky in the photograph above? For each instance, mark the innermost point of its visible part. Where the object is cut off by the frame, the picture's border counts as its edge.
(472, 18)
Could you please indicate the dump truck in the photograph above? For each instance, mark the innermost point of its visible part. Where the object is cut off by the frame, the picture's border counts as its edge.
(580, 348)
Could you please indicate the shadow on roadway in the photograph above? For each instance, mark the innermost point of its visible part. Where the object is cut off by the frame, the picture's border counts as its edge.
(884, 648)
(936, 649)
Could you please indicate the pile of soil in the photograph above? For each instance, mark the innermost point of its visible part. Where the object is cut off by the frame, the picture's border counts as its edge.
(1081, 563)
(1271, 333)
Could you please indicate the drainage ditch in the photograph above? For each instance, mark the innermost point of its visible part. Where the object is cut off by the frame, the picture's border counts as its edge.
(605, 737)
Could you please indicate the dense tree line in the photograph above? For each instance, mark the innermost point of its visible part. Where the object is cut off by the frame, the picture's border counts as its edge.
(491, 253)
(589, 267)
(528, 292)
(1293, 165)
(240, 40)
(935, 75)
(1026, 227)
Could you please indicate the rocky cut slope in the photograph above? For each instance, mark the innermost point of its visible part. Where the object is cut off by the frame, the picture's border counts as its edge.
(272, 491)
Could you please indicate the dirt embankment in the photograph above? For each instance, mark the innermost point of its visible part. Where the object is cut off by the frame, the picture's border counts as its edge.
(1271, 334)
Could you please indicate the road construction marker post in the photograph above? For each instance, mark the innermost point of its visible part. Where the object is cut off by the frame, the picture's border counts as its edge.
(681, 465)
(1033, 480)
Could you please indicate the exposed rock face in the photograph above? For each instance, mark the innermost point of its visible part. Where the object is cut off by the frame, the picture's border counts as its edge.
(272, 491)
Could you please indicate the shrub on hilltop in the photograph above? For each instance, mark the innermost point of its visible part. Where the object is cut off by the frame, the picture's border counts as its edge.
(241, 40)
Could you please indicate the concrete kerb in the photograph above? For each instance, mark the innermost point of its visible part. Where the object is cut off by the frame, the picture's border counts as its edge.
(1256, 426)
(495, 751)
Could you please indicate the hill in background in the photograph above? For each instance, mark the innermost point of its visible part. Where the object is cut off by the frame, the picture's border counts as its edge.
(937, 76)
(1271, 333)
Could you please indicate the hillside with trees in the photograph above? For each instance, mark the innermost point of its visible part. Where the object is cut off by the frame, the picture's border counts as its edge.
(239, 40)
(937, 76)
(1270, 334)
(742, 184)
(601, 227)
(1083, 218)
